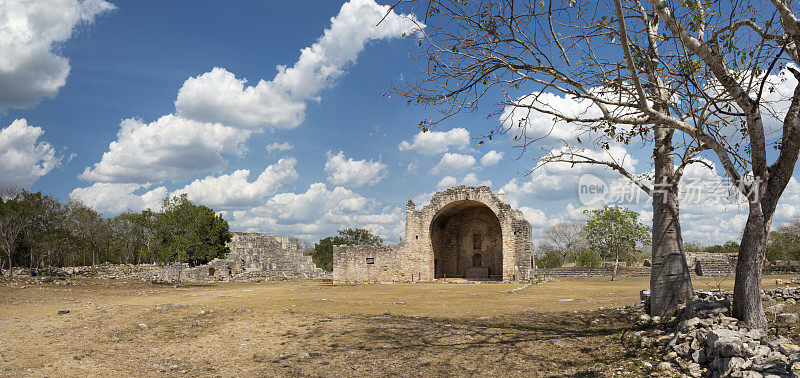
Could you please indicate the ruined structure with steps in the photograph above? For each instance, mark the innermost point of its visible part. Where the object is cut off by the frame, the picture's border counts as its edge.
(277, 256)
(254, 257)
(711, 264)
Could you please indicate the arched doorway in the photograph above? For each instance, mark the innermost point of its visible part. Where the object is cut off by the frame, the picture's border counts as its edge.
(467, 242)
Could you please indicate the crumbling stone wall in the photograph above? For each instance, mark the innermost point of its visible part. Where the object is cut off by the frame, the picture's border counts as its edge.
(586, 272)
(253, 257)
(446, 229)
(142, 272)
(279, 256)
(711, 264)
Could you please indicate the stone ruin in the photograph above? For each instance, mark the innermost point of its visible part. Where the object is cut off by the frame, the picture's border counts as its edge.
(466, 232)
(707, 342)
(254, 257)
(258, 256)
(711, 264)
(277, 256)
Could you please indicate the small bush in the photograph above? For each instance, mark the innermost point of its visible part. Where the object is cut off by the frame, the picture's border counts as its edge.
(589, 259)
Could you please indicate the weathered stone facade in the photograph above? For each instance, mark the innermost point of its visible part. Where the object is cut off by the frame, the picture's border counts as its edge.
(465, 232)
(279, 256)
(711, 264)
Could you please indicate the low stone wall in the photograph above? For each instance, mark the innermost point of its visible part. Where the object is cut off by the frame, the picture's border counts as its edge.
(782, 267)
(214, 271)
(584, 272)
(789, 293)
(356, 264)
(254, 257)
(141, 272)
(709, 343)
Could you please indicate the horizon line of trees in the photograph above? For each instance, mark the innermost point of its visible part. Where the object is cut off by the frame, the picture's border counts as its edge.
(612, 233)
(39, 232)
(567, 243)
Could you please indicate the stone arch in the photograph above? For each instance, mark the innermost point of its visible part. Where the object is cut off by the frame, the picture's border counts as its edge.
(465, 233)
(418, 246)
(415, 258)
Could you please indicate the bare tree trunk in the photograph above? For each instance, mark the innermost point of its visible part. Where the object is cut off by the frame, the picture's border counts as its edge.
(747, 287)
(616, 264)
(670, 282)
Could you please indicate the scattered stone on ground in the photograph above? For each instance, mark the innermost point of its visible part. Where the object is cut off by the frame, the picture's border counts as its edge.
(706, 342)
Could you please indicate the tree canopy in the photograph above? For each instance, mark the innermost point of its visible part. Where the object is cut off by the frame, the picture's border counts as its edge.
(784, 243)
(190, 233)
(37, 231)
(615, 231)
(323, 250)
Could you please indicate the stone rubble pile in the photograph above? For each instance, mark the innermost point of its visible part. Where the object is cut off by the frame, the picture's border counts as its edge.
(215, 271)
(789, 294)
(254, 257)
(709, 343)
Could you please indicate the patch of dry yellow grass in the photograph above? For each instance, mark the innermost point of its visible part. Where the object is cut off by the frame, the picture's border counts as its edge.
(265, 329)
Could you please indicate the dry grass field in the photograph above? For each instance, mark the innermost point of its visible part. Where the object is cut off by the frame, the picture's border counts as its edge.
(314, 328)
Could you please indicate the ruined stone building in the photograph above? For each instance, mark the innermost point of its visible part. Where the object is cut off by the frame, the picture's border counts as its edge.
(254, 257)
(264, 254)
(464, 233)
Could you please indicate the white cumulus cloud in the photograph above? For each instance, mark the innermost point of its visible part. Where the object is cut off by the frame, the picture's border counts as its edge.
(447, 182)
(469, 180)
(24, 158)
(217, 112)
(218, 96)
(169, 149)
(30, 67)
(491, 158)
(353, 173)
(557, 181)
(536, 217)
(435, 142)
(111, 199)
(319, 212)
(280, 147)
(453, 162)
(234, 190)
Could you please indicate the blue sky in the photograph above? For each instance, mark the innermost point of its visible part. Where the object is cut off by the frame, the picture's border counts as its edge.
(119, 104)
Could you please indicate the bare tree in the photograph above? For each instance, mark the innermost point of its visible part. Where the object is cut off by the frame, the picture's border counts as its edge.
(90, 227)
(13, 223)
(695, 79)
(568, 238)
(523, 51)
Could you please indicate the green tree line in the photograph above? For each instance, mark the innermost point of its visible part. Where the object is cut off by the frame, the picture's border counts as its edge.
(611, 234)
(322, 255)
(783, 243)
(37, 232)
(589, 243)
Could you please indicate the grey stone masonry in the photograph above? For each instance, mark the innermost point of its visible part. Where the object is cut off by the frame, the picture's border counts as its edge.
(278, 256)
(254, 257)
(711, 264)
(463, 229)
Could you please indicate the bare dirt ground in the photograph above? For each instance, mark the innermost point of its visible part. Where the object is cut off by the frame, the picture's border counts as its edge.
(314, 328)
